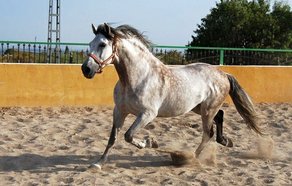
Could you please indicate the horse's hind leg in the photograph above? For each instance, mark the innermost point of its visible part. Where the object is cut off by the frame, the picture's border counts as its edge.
(197, 110)
(219, 130)
(218, 119)
(207, 113)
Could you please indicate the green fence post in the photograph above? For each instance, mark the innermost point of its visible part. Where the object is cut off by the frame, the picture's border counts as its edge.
(221, 57)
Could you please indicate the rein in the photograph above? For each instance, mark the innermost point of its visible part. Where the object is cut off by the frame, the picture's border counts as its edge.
(103, 64)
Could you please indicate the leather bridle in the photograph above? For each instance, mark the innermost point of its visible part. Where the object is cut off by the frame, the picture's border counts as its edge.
(107, 61)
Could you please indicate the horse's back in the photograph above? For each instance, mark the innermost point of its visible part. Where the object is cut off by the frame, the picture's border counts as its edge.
(197, 68)
(196, 72)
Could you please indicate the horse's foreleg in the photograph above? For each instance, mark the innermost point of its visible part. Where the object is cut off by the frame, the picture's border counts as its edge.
(219, 130)
(141, 121)
(118, 121)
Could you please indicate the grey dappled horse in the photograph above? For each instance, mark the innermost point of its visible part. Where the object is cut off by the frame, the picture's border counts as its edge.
(148, 89)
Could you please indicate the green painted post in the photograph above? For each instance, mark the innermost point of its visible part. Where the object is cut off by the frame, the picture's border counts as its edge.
(221, 57)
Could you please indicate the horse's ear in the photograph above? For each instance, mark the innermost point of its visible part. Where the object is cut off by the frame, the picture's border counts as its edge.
(108, 30)
(94, 29)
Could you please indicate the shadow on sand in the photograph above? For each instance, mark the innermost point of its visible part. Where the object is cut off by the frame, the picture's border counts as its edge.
(38, 163)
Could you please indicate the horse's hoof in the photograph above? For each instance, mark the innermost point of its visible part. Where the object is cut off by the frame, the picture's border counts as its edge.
(154, 144)
(94, 167)
(151, 143)
(227, 142)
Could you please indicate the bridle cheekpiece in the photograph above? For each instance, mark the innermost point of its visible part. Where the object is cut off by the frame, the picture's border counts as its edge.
(107, 61)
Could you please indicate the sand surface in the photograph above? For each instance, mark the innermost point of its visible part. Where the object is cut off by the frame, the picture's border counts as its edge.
(54, 146)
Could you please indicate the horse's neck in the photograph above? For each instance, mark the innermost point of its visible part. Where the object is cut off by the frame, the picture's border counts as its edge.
(135, 63)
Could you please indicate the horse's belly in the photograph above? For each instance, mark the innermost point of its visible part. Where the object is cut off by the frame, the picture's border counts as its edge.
(171, 112)
(177, 107)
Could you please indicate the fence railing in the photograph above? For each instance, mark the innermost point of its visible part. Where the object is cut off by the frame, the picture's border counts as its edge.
(37, 52)
(223, 56)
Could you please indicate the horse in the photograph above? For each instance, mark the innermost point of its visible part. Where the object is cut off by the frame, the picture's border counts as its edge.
(147, 88)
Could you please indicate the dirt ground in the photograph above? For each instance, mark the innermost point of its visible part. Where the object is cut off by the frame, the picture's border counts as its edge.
(55, 146)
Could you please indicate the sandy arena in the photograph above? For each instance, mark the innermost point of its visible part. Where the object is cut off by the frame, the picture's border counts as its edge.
(54, 146)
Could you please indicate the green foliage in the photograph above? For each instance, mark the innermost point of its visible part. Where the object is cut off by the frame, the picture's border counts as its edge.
(248, 24)
(172, 57)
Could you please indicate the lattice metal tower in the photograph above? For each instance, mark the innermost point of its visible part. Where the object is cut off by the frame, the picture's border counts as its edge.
(53, 49)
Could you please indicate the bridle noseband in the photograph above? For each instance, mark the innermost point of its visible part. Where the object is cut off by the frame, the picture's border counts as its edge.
(107, 61)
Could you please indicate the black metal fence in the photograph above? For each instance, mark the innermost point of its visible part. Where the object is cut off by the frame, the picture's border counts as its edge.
(241, 57)
(223, 56)
(37, 52)
(76, 53)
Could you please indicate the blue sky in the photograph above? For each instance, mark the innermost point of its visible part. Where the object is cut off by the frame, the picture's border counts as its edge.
(165, 22)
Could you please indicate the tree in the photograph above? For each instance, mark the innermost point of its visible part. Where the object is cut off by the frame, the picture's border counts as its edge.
(248, 24)
(283, 32)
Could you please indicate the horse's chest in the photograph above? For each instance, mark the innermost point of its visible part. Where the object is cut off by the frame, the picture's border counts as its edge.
(140, 100)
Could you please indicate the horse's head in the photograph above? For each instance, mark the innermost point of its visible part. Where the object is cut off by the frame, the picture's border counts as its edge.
(102, 50)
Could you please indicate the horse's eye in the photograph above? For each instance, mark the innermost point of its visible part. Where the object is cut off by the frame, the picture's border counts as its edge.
(102, 45)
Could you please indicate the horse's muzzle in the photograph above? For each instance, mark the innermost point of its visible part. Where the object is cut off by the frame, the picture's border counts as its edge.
(87, 72)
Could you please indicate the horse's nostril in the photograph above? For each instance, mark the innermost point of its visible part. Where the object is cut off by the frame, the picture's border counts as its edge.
(85, 69)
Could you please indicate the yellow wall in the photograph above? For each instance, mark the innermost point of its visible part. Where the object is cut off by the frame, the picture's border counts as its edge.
(54, 85)
(264, 83)
(64, 85)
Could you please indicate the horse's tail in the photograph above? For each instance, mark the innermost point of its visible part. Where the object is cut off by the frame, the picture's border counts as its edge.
(243, 104)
